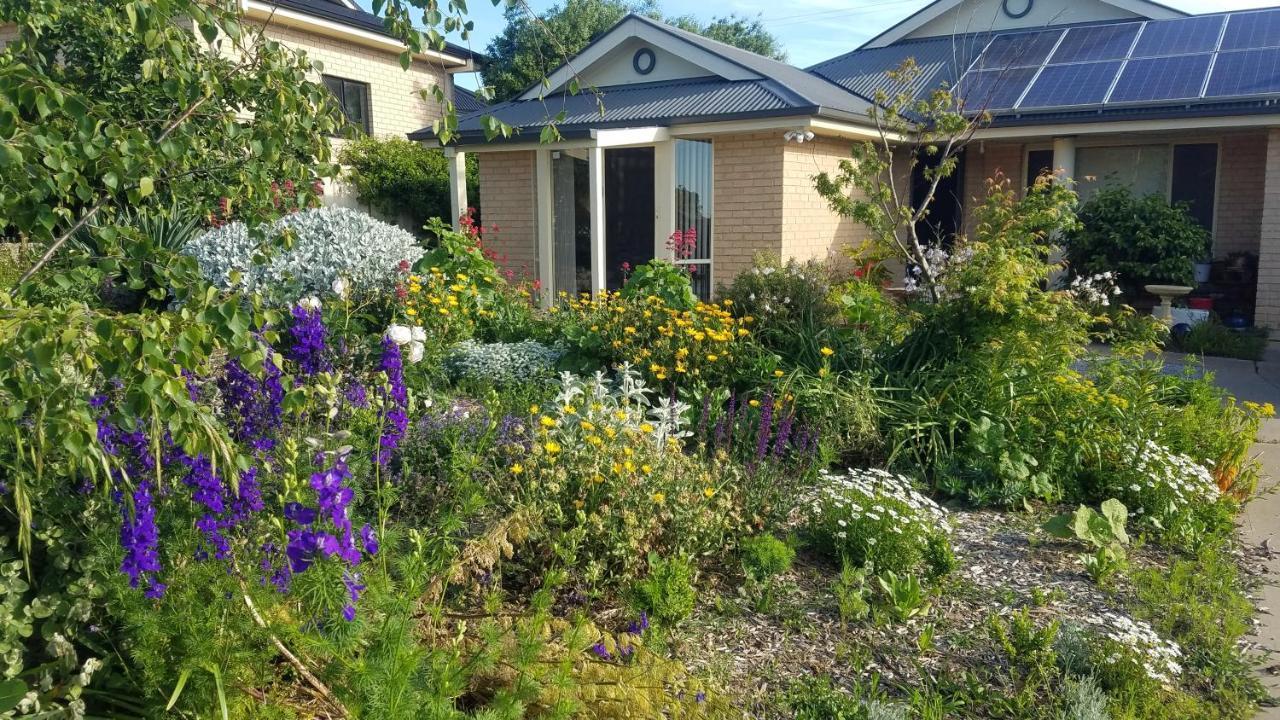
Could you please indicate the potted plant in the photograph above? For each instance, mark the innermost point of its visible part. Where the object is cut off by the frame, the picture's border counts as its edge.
(1203, 270)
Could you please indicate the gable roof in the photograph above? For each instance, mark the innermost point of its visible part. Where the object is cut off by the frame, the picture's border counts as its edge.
(352, 16)
(466, 102)
(743, 86)
(1142, 8)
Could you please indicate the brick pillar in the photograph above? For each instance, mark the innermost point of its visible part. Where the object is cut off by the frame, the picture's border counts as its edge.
(1268, 313)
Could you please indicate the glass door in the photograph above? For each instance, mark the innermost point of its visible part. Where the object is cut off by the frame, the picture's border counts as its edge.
(693, 212)
(571, 220)
(629, 218)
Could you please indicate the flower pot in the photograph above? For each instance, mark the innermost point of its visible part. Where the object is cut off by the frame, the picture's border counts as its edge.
(1200, 303)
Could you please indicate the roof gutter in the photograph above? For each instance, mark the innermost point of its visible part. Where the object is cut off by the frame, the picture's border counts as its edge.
(265, 11)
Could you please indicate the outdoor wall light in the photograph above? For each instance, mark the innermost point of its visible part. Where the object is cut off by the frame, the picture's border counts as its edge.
(799, 137)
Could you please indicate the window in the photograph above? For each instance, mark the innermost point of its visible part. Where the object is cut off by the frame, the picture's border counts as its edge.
(1195, 180)
(353, 98)
(694, 184)
(1039, 162)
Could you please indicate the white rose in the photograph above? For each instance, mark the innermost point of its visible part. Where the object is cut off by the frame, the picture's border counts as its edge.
(400, 334)
(340, 287)
(311, 302)
(419, 334)
(416, 351)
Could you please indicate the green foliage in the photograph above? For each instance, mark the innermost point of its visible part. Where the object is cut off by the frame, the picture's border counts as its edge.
(662, 279)
(397, 176)
(903, 597)
(667, 592)
(1217, 340)
(793, 310)
(851, 591)
(816, 698)
(765, 556)
(146, 114)
(1104, 532)
(1144, 240)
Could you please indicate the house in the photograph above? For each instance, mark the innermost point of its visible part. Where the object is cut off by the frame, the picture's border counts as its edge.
(684, 132)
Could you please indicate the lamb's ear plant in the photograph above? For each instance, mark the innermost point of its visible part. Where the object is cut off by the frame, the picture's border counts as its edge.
(1103, 531)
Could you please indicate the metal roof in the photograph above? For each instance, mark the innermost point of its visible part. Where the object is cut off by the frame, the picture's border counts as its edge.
(941, 59)
(659, 103)
(337, 12)
(466, 102)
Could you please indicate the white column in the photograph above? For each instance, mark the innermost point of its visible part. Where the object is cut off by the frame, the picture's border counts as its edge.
(595, 168)
(457, 184)
(1064, 159)
(545, 214)
(664, 197)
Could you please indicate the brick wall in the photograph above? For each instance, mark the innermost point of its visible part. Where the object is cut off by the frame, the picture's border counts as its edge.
(748, 201)
(810, 229)
(1242, 169)
(508, 196)
(1268, 312)
(982, 161)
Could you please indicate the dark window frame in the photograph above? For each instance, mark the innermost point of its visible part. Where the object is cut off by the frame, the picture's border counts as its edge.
(339, 86)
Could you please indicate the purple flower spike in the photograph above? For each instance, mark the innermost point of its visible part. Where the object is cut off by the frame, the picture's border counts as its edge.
(309, 347)
(299, 513)
(369, 539)
(601, 651)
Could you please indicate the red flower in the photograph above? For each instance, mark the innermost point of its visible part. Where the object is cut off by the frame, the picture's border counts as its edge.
(404, 266)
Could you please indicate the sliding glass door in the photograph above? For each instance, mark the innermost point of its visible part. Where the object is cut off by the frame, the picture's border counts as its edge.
(629, 215)
(571, 226)
(693, 211)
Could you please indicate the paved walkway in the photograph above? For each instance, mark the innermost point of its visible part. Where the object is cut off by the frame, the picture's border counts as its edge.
(1260, 382)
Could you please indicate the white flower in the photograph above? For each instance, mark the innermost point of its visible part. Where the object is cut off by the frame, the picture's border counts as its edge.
(310, 302)
(340, 287)
(400, 334)
(416, 351)
(419, 334)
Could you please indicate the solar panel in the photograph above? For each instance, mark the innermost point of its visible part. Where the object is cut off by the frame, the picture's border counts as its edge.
(1079, 84)
(1103, 42)
(1168, 78)
(1018, 50)
(1180, 37)
(994, 89)
(1250, 30)
(1249, 72)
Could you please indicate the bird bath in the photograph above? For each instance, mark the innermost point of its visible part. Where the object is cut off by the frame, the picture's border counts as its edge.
(1167, 294)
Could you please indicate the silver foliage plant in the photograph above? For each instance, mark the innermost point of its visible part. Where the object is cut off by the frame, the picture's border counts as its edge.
(327, 244)
(501, 363)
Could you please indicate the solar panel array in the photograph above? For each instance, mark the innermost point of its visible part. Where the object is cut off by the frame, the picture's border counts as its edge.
(1204, 58)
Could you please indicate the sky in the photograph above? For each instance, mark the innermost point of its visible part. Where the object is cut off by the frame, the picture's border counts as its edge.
(810, 30)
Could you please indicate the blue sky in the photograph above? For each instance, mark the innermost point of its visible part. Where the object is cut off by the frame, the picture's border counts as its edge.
(810, 30)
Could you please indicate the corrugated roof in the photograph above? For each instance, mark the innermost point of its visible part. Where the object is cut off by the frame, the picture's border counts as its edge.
(940, 60)
(338, 12)
(659, 104)
(466, 102)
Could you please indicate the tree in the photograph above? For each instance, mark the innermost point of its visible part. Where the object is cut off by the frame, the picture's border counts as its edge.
(396, 175)
(138, 103)
(742, 32)
(530, 47)
(918, 137)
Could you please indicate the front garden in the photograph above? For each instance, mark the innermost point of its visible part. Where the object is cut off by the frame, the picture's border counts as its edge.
(271, 460)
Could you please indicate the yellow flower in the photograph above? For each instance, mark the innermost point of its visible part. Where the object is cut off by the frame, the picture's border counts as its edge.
(827, 352)
(517, 469)
(552, 447)
(630, 466)
(578, 504)
(709, 492)
(646, 428)
(547, 421)
(659, 498)
(778, 373)
(646, 468)
(712, 357)
(534, 409)
(570, 410)
(586, 425)
(410, 312)
(754, 403)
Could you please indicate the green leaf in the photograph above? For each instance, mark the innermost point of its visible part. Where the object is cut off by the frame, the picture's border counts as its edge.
(1059, 526)
(11, 693)
(111, 180)
(1117, 515)
(177, 689)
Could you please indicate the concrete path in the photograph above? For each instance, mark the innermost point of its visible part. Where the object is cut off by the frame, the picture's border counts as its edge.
(1260, 382)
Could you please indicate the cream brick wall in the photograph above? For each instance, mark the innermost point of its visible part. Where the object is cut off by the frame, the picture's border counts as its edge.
(810, 229)
(749, 207)
(1268, 309)
(395, 95)
(508, 196)
(1242, 177)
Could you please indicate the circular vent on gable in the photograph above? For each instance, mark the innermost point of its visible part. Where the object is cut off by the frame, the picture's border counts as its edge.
(644, 61)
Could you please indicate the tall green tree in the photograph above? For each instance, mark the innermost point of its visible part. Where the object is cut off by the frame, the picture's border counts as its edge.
(530, 47)
(136, 103)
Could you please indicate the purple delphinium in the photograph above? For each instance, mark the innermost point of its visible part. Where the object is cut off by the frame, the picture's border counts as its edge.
(140, 540)
(253, 403)
(327, 532)
(354, 588)
(397, 421)
(369, 539)
(783, 436)
(766, 427)
(601, 651)
(357, 395)
(309, 346)
(193, 385)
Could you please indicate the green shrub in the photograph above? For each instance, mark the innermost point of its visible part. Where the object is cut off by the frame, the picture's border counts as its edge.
(765, 556)
(1083, 700)
(792, 306)
(1144, 240)
(395, 175)
(663, 279)
(1215, 339)
(667, 593)
(815, 698)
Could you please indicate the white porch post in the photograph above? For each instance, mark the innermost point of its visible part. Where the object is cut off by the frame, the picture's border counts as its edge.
(595, 168)
(664, 197)
(545, 214)
(457, 184)
(1064, 159)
